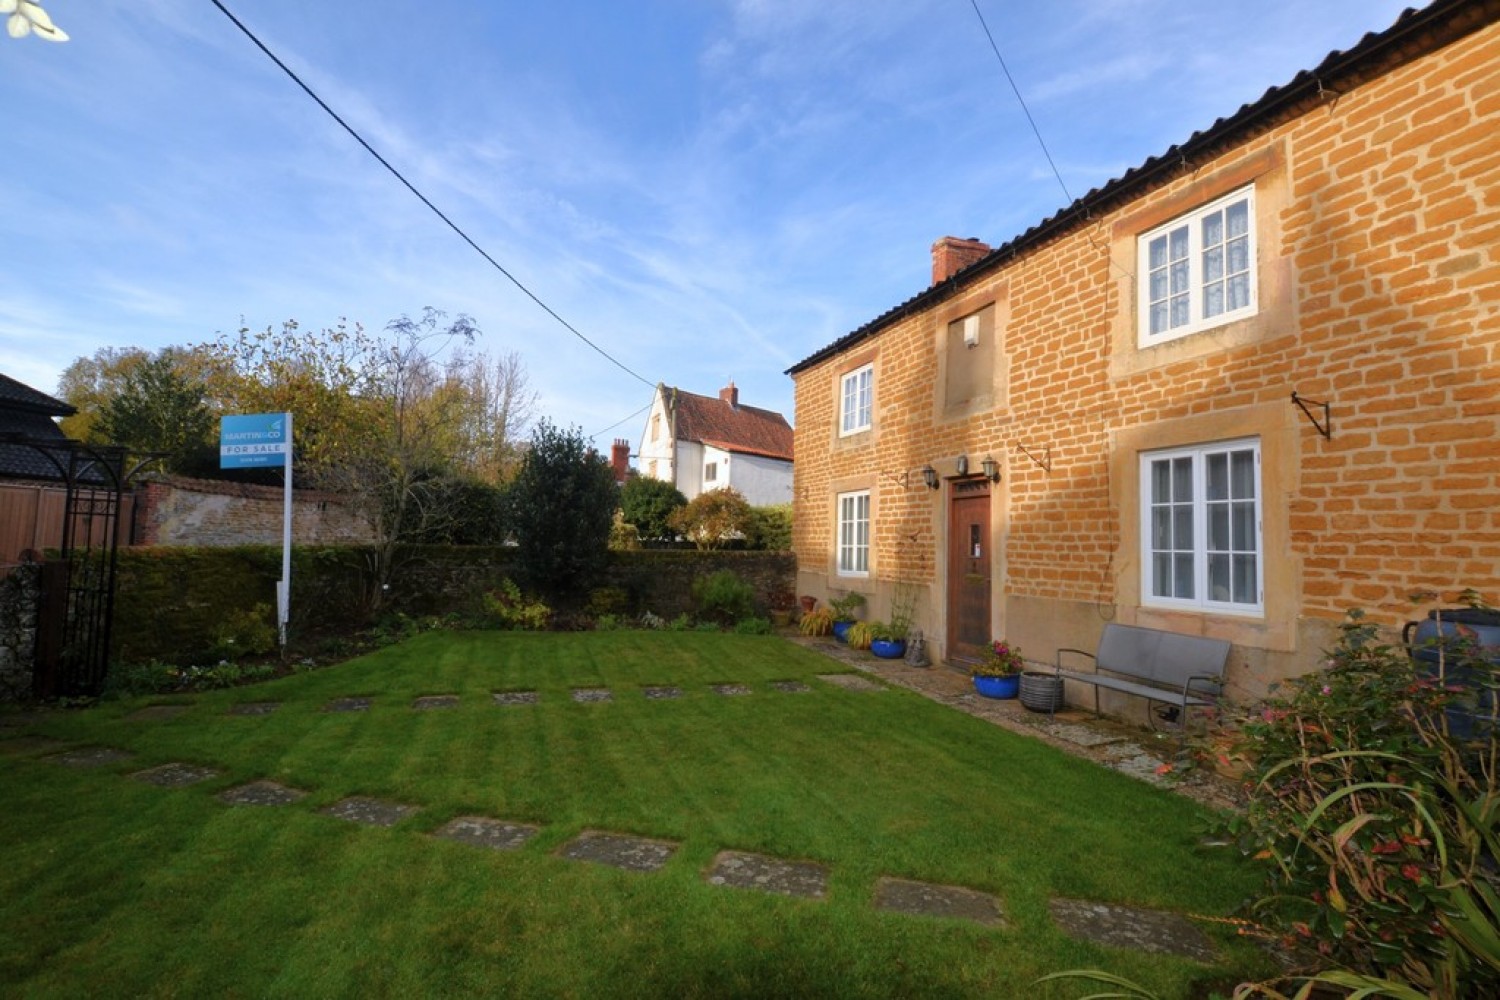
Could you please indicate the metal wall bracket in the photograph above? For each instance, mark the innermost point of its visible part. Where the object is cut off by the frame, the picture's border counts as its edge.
(1325, 426)
(1045, 461)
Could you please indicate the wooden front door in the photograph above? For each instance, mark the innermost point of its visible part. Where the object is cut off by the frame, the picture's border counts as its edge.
(969, 566)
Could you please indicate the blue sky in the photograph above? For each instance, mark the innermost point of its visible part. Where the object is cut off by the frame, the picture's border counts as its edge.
(708, 189)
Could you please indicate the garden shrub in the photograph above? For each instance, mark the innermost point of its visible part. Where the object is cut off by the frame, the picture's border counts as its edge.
(1376, 826)
(506, 608)
(607, 601)
(647, 502)
(711, 520)
(723, 597)
(770, 528)
(247, 632)
(752, 626)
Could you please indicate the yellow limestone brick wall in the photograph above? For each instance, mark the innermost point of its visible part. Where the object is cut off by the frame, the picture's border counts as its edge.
(1378, 229)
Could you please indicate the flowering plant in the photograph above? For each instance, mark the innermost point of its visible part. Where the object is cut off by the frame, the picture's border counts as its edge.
(1002, 660)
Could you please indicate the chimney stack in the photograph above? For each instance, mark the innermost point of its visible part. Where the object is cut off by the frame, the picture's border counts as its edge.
(730, 395)
(952, 254)
(619, 459)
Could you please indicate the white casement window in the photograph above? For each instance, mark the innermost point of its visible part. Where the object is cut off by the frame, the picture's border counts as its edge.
(1198, 271)
(710, 472)
(857, 392)
(1201, 528)
(854, 533)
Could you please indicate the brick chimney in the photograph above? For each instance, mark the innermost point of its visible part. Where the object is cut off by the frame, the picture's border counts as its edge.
(730, 395)
(619, 459)
(952, 254)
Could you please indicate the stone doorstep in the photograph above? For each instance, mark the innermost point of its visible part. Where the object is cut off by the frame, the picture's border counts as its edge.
(254, 708)
(348, 705)
(1127, 927)
(516, 697)
(435, 701)
(739, 870)
(175, 775)
(482, 831)
(925, 899)
(261, 793)
(369, 811)
(92, 757)
(636, 854)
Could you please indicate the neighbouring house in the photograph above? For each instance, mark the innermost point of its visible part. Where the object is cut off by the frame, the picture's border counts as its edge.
(1246, 386)
(701, 443)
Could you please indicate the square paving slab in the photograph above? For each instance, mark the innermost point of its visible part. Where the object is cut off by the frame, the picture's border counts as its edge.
(370, 812)
(435, 701)
(731, 690)
(482, 831)
(790, 687)
(261, 793)
(516, 698)
(92, 757)
(592, 694)
(348, 705)
(661, 693)
(156, 713)
(634, 854)
(757, 871)
(175, 775)
(1080, 735)
(1126, 927)
(923, 899)
(254, 708)
(851, 682)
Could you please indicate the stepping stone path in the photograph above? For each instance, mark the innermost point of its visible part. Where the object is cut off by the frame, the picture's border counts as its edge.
(261, 793)
(1127, 927)
(348, 705)
(662, 693)
(435, 701)
(592, 694)
(731, 690)
(633, 854)
(370, 812)
(516, 698)
(157, 713)
(175, 775)
(1080, 735)
(19, 746)
(758, 871)
(92, 757)
(851, 682)
(790, 687)
(923, 899)
(481, 831)
(254, 708)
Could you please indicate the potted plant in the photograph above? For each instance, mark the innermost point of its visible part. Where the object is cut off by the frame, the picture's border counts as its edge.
(844, 613)
(999, 675)
(819, 622)
(888, 641)
(860, 635)
(781, 603)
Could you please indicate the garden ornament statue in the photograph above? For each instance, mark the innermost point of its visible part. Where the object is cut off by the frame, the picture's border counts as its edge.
(916, 649)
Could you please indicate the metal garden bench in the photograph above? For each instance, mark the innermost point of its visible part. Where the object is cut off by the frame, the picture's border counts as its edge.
(1165, 668)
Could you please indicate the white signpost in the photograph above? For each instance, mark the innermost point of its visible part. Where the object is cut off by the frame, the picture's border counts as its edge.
(264, 440)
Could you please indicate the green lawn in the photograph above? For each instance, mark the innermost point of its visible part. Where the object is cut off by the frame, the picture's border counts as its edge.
(109, 886)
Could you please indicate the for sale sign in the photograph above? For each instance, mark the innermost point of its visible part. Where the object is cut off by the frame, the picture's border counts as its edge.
(254, 441)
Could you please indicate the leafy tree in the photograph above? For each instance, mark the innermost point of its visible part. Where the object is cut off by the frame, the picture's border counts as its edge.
(499, 404)
(648, 503)
(160, 407)
(90, 383)
(563, 501)
(711, 519)
(770, 528)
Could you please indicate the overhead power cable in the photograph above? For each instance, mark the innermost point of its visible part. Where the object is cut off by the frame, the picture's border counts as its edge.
(424, 200)
(1021, 100)
(622, 420)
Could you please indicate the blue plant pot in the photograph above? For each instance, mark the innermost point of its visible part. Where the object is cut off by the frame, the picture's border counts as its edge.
(841, 631)
(888, 649)
(998, 687)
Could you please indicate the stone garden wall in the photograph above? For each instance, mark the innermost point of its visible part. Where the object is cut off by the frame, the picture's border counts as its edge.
(20, 596)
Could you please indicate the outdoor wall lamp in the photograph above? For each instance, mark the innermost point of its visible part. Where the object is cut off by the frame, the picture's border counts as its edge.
(929, 476)
(991, 468)
(962, 465)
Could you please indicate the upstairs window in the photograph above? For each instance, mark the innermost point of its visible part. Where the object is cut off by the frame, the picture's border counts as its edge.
(1201, 527)
(857, 393)
(1198, 271)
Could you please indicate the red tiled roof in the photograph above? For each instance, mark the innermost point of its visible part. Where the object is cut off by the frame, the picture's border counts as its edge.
(745, 429)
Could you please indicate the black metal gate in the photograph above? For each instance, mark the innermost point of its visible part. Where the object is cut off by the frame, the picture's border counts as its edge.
(78, 589)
